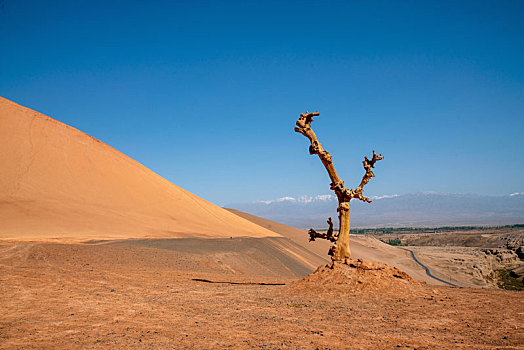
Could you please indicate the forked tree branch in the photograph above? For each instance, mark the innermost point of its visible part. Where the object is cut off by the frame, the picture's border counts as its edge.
(337, 185)
(368, 165)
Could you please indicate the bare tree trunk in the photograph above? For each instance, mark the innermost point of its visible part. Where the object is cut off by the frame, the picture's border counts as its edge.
(340, 250)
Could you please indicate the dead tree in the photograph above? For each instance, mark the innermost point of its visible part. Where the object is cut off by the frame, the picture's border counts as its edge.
(340, 250)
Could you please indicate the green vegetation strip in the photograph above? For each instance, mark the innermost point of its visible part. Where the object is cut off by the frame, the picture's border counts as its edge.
(390, 230)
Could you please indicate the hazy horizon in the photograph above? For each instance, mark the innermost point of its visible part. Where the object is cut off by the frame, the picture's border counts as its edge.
(423, 209)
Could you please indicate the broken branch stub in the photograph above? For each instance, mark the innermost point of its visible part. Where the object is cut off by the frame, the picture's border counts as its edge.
(340, 249)
(328, 235)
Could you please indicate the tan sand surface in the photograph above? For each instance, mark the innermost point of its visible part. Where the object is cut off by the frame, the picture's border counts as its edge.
(268, 256)
(319, 247)
(57, 183)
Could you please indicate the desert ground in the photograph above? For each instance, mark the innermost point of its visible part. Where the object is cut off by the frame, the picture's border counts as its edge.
(470, 257)
(97, 251)
(130, 296)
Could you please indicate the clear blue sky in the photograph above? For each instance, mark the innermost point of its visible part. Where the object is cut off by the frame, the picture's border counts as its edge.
(206, 94)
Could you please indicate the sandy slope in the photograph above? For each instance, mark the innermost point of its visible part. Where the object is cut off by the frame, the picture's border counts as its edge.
(266, 256)
(59, 183)
(300, 237)
(365, 247)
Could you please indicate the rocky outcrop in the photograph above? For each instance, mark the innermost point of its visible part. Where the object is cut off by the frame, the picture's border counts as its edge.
(520, 252)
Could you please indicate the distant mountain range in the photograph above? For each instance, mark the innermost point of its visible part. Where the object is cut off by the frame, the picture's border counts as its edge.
(409, 210)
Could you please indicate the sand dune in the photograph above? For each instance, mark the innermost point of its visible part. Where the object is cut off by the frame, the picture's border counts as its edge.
(58, 183)
(242, 256)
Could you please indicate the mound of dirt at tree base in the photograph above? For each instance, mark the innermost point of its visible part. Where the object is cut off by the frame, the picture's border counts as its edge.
(360, 274)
